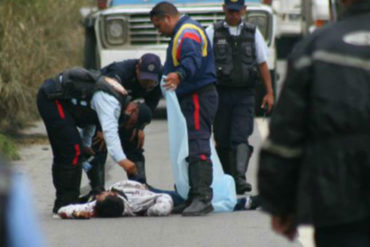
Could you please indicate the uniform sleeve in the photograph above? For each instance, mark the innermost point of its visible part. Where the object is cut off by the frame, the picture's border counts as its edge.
(189, 54)
(108, 110)
(210, 33)
(114, 70)
(162, 207)
(261, 47)
(282, 152)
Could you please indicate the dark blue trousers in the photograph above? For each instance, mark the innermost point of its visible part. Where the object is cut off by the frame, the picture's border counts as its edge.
(235, 115)
(199, 110)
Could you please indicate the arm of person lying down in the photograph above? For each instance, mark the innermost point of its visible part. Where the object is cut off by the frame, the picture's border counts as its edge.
(77, 211)
(162, 207)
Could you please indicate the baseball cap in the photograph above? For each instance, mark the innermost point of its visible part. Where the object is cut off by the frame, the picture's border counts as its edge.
(234, 4)
(150, 67)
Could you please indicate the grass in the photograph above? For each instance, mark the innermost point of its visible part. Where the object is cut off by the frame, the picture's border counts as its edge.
(8, 148)
(38, 39)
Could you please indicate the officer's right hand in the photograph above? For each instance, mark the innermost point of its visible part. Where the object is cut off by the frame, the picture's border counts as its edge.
(129, 166)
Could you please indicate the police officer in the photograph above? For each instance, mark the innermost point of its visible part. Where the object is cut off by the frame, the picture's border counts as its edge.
(240, 55)
(189, 69)
(140, 78)
(81, 98)
(315, 164)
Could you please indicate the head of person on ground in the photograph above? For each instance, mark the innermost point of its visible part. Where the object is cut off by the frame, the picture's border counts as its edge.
(135, 115)
(148, 71)
(164, 17)
(109, 204)
(234, 11)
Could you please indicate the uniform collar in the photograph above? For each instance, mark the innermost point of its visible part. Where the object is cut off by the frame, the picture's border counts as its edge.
(181, 21)
(241, 24)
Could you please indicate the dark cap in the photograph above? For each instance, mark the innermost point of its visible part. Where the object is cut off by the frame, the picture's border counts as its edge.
(145, 115)
(234, 4)
(150, 67)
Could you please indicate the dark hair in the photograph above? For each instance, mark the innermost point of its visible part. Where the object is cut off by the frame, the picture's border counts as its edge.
(111, 206)
(161, 9)
(145, 115)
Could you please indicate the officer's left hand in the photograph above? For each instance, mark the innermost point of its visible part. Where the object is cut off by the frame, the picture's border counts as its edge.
(269, 100)
(172, 81)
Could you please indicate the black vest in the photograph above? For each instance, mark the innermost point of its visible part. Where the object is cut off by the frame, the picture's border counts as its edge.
(76, 87)
(235, 56)
(5, 182)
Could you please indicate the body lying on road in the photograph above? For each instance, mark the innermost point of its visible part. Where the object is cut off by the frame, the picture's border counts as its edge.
(131, 198)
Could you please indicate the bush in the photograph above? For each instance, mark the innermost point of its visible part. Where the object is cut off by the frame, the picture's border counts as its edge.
(38, 39)
(8, 149)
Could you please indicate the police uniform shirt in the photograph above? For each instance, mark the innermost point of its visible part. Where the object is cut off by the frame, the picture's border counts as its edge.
(108, 110)
(260, 44)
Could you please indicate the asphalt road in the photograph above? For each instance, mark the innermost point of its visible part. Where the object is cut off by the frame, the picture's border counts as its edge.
(247, 228)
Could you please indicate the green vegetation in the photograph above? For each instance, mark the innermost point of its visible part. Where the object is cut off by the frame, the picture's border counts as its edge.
(38, 39)
(8, 148)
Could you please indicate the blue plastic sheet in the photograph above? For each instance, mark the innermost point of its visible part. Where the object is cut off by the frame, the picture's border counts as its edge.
(224, 195)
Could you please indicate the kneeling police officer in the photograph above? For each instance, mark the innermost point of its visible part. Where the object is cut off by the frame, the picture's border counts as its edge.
(78, 98)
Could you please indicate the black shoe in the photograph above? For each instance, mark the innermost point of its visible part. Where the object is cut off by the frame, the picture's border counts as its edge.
(255, 202)
(243, 187)
(198, 208)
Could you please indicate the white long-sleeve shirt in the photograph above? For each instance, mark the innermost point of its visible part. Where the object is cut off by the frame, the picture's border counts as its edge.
(108, 109)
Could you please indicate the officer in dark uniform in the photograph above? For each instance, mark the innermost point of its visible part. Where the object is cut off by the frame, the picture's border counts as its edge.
(189, 69)
(240, 56)
(80, 98)
(315, 164)
(140, 78)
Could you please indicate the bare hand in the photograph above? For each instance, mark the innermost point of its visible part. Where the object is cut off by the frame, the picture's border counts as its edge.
(269, 100)
(129, 166)
(82, 215)
(284, 226)
(99, 140)
(172, 81)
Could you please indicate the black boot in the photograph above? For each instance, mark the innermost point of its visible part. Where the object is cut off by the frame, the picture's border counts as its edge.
(140, 176)
(67, 181)
(223, 154)
(242, 156)
(200, 179)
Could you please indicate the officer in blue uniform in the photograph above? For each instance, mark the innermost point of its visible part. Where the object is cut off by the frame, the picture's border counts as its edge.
(189, 69)
(140, 78)
(80, 98)
(240, 55)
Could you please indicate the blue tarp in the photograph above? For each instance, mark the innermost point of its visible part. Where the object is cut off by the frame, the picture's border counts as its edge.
(224, 195)
(120, 2)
